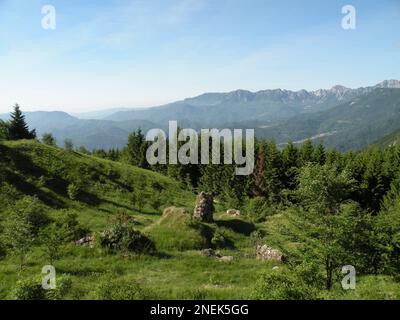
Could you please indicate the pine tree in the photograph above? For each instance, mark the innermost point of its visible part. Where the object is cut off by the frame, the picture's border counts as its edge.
(18, 129)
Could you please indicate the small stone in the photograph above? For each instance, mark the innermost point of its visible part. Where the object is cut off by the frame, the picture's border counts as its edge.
(233, 212)
(208, 253)
(226, 259)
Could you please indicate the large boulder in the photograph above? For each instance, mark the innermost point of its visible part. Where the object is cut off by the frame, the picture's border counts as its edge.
(204, 208)
(267, 253)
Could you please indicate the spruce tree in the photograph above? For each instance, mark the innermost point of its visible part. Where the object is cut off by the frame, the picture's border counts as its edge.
(18, 128)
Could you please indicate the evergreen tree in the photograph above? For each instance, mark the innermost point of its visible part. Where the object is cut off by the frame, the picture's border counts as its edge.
(306, 152)
(135, 151)
(259, 185)
(18, 129)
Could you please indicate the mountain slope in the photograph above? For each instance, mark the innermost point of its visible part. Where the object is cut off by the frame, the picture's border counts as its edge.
(392, 139)
(92, 134)
(352, 125)
(222, 109)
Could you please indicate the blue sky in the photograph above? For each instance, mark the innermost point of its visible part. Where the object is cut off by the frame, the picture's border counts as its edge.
(132, 53)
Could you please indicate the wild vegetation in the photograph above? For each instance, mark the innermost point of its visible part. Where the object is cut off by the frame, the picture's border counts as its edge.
(116, 228)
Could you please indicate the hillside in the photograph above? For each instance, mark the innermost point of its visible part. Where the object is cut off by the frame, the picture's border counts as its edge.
(105, 192)
(353, 125)
(392, 139)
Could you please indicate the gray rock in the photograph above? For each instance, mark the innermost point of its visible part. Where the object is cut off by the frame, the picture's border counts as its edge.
(204, 208)
(208, 253)
(267, 253)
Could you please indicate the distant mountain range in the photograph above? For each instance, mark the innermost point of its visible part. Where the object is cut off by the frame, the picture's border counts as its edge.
(341, 117)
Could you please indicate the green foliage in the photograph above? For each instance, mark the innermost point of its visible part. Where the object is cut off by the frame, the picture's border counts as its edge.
(49, 139)
(31, 289)
(301, 283)
(323, 188)
(52, 238)
(73, 191)
(114, 289)
(135, 152)
(23, 223)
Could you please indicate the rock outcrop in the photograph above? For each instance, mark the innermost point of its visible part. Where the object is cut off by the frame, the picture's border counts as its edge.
(267, 253)
(204, 209)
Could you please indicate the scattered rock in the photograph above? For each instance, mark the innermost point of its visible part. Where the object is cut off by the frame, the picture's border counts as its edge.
(267, 253)
(208, 253)
(226, 259)
(275, 268)
(233, 212)
(204, 208)
(88, 241)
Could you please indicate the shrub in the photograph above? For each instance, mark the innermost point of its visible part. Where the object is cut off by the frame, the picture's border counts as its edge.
(33, 211)
(301, 283)
(122, 236)
(31, 289)
(113, 289)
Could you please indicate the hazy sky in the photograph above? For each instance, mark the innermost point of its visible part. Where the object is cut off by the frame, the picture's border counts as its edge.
(127, 53)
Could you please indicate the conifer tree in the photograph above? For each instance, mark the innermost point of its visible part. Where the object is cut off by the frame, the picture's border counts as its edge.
(18, 129)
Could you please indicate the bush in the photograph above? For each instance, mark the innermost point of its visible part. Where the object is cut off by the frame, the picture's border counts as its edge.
(301, 283)
(69, 226)
(31, 289)
(257, 209)
(113, 289)
(122, 236)
(33, 211)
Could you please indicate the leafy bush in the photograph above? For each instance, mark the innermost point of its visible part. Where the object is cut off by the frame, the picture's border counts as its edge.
(33, 211)
(113, 289)
(301, 283)
(69, 226)
(31, 289)
(122, 236)
(258, 209)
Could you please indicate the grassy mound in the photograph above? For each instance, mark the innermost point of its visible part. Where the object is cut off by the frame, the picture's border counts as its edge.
(175, 231)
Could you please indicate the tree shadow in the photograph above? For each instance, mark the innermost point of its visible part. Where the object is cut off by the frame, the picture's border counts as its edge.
(238, 226)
